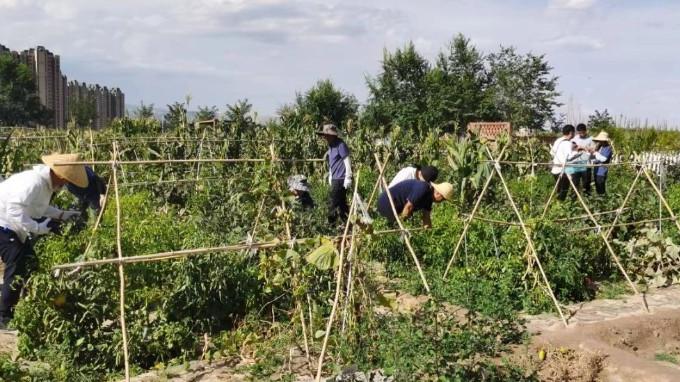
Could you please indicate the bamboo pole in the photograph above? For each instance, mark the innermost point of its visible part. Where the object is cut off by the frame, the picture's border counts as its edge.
(407, 240)
(527, 235)
(468, 221)
(192, 160)
(199, 251)
(625, 201)
(661, 197)
(655, 220)
(607, 244)
(549, 164)
(121, 271)
(338, 282)
(378, 181)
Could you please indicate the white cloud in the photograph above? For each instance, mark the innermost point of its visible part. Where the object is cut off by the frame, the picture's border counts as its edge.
(576, 42)
(573, 4)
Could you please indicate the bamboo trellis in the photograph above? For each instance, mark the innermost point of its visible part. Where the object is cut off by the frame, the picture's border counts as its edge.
(642, 166)
(121, 260)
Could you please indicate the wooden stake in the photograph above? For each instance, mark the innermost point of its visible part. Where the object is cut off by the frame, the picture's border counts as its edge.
(121, 271)
(468, 220)
(606, 242)
(378, 181)
(661, 197)
(527, 235)
(407, 240)
(338, 282)
(625, 201)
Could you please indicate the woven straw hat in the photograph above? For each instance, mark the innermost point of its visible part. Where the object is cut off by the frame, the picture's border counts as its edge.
(74, 174)
(602, 137)
(445, 189)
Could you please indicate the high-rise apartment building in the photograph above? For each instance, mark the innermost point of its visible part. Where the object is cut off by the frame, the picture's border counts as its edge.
(57, 94)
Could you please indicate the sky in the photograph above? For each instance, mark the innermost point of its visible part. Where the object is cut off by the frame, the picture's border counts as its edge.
(621, 55)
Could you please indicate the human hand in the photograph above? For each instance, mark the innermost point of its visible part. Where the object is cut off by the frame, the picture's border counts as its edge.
(54, 226)
(347, 183)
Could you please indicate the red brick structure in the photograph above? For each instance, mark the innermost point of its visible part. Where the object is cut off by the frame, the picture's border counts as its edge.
(489, 131)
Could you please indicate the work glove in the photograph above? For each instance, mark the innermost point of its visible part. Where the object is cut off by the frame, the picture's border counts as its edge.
(347, 183)
(66, 215)
(49, 226)
(330, 178)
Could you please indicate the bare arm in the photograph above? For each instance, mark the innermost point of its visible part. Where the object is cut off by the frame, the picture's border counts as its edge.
(407, 211)
(427, 221)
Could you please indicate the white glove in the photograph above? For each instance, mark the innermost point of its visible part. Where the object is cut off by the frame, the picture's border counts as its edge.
(347, 183)
(102, 200)
(69, 214)
(43, 229)
(330, 178)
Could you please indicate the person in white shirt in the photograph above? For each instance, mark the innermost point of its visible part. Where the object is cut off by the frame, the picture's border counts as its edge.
(25, 197)
(426, 174)
(562, 154)
(585, 144)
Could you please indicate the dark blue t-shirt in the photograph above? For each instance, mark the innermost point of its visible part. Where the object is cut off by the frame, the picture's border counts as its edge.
(607, 152)
(337, 152)
(90, 194)
(417, 192)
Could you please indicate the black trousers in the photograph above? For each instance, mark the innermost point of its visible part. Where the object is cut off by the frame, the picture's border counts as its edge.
(562, 186)
(15, 255)
(337, 204)
(587, 180)
(601, 184)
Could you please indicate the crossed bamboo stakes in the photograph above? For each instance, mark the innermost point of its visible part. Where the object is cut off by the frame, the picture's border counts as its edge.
(348, 242)
(531, 250)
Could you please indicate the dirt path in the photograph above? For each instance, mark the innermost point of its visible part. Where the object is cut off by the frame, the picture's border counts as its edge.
(611, 340)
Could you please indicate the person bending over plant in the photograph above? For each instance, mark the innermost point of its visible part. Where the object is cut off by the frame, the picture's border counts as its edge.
(413, 195)
(298, 186)
(25, 198)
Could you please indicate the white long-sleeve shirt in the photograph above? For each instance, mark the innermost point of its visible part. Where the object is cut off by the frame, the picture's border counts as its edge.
(405, 173)
(26, 196)
(562, 153)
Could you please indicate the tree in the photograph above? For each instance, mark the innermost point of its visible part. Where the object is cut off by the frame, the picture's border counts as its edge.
(398, 95)
(176, 116)
(325, 103)
(82, 110)
(19, 102)
(144, 112)
(206, 113)
(457, 86)
(601, 120)
(521, 88)
(238, 124)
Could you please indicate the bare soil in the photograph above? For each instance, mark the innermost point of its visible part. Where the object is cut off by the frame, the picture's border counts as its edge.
(608, 340)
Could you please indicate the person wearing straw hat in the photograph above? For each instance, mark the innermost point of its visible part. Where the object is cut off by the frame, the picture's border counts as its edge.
(24, 199)
(602, 155)
(91, 196)
(297, 184)
(413, 195)
(339, 172)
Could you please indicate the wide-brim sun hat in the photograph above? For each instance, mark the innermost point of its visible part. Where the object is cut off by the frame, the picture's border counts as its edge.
(603, 136)
(445, 189)
(73, 173)
(328, 129)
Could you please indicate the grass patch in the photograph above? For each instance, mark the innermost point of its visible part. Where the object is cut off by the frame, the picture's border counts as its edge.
(667, 357)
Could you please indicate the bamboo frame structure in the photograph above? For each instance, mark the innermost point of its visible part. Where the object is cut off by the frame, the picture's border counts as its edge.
(120, 260)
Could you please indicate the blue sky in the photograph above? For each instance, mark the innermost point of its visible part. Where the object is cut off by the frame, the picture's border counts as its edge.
(617, 54)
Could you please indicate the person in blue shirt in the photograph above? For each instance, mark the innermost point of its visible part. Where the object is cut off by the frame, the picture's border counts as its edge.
(413, 195)
(92, 195)
(602, 155)
(339, 173)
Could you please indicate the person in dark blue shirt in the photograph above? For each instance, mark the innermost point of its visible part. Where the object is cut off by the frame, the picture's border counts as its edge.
(90, 196)
(413, 195)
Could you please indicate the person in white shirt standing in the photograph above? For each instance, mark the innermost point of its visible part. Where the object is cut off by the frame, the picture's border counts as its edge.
(562, 153)
(584, 142)
(25, 197)
(426, 174)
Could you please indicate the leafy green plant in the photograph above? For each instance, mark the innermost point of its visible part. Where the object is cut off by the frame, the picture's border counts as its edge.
(653, 258)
